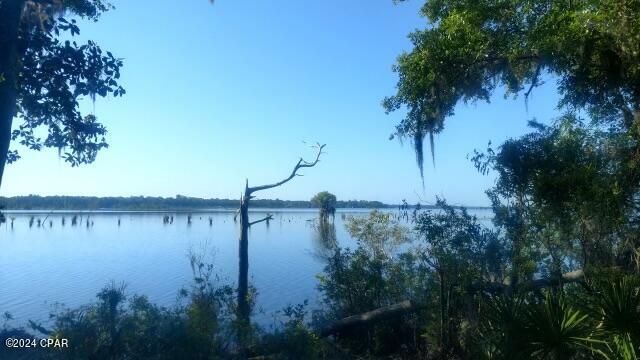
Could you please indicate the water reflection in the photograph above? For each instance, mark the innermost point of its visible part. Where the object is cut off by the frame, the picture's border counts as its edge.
(325, 240)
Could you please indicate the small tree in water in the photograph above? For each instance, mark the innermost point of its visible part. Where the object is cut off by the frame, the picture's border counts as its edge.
(326, 201)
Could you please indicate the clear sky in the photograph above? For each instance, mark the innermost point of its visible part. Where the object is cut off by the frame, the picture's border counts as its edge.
(219, 93)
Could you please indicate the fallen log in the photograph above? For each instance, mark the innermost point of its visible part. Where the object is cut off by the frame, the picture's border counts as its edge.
(408, 306)
(370, 317)
(495, 287)
(569, 277)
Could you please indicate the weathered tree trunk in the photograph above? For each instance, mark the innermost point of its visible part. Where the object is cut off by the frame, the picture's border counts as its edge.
(10, 13)
(518, 243)
(442, 309)
(244, 310)
(584, 244)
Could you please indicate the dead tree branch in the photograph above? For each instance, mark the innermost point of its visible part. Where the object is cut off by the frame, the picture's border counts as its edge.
(267, 218)
(300, 165)
(244, 307)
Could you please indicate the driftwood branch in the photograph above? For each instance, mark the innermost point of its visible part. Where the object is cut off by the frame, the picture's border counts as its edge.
(370, 317)
(267, 218)
(300, 165)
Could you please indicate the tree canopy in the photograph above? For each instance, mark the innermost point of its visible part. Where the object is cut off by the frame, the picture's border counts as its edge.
(470, 48)
(45, 74)
(327, 203)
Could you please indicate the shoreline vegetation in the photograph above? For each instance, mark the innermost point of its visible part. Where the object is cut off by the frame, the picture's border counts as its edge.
(177, 203)
(555, 274)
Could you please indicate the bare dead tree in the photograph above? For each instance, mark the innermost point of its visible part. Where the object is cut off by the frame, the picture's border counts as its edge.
(243, 213)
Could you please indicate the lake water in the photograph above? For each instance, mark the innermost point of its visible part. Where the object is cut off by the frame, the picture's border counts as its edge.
(42, 266)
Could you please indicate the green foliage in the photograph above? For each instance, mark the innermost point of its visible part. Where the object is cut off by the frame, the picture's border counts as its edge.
(562, 325)
(566, 197)
(454, 242)
(120, 327)
(355, 282)
(323, 198)
(293, 338)
(55, 75)
(616, 308)
(556, 329)
(201, 326)
(451, 253)
(470, 48)
(374, 275)
(551, 328)
(567, 191)
(458, 252)
(378, 233)
(327, 202)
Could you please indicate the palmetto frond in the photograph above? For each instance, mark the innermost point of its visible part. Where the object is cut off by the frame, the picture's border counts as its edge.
(616, 307)
(557, 330)
(549, 329)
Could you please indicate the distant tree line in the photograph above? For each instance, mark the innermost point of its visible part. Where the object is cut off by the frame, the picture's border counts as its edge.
(35, 202)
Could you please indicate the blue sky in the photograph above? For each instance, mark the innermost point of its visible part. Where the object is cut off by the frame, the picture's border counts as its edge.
(219, 93)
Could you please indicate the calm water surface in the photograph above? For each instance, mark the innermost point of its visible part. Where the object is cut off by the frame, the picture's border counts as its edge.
(42, 266)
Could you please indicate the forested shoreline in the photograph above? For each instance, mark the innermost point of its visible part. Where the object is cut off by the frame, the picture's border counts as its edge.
(34, 202)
